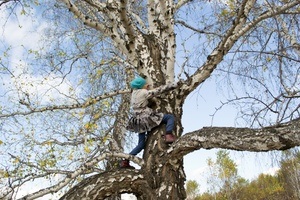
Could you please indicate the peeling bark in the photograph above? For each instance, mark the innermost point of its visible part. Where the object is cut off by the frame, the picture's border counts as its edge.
(280, 137)
(108, 183)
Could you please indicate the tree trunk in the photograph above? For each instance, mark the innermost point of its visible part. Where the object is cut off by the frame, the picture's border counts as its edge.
(165, 177)
(160, 177)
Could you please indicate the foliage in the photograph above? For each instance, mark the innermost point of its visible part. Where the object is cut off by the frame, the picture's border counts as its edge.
(264, 187)
(192, 189)
(289, 173)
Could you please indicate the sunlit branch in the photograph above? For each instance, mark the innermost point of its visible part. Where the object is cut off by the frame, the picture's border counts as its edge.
(91, 23)
(238, 29)
(279, 137)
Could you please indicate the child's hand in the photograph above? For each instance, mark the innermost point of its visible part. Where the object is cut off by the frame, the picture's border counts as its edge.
(172, 85)
(177, 84)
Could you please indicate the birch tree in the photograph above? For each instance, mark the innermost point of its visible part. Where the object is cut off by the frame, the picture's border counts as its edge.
(251, 47)
(289, 173)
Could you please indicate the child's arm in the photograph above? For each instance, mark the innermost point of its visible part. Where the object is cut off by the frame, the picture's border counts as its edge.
(161, 89)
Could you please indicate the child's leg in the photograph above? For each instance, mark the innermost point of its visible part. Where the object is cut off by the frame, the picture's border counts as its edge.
(141, 144)
(169, 120)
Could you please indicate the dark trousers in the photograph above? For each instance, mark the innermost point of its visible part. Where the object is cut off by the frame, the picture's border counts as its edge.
(168, 120)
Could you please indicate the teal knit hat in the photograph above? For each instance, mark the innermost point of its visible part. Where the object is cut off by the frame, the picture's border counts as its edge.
(138, 83)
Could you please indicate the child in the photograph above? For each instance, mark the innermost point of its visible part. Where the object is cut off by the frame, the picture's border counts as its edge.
(144, 118)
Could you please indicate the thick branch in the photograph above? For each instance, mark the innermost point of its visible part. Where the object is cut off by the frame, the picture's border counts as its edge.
(238, 29)
(119, 126)
(87, 21)
(108, 183)
(280, 137)
(126, 21)
(81, 170)
(220, 51)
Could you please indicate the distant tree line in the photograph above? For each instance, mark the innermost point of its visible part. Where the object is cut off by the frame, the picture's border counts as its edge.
(225, 184)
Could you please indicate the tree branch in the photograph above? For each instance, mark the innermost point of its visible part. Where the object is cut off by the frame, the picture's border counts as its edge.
(181, 3)
(200, 31)
(82, 17)
(5, 1)
(108, 183)
(238, 29)
(73, 106)
(81, 170)
(280, 137)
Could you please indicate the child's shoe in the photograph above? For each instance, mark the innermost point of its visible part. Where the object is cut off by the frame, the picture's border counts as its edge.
(125, 164)
(170, 138)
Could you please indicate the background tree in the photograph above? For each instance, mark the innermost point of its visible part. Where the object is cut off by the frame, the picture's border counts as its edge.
(223, 178)
(265, 186)
(227, 172)
(192, 189)
(68, 94)
(290, 173)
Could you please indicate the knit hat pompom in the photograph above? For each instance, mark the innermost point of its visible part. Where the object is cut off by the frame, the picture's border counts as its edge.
(138, 83)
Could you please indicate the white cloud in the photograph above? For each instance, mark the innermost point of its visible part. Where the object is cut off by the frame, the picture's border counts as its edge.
(22, 34)
(21, 30)
(45, 89)
(40, 89)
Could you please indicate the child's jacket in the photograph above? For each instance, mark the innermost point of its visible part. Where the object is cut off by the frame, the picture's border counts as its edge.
(144, 118)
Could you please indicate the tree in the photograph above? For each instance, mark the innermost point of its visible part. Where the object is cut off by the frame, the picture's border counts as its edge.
(227, 171)
(231, 186)
(290, 172)
(192, 189)
(265, 187)
(249, 42)
(223, 179)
